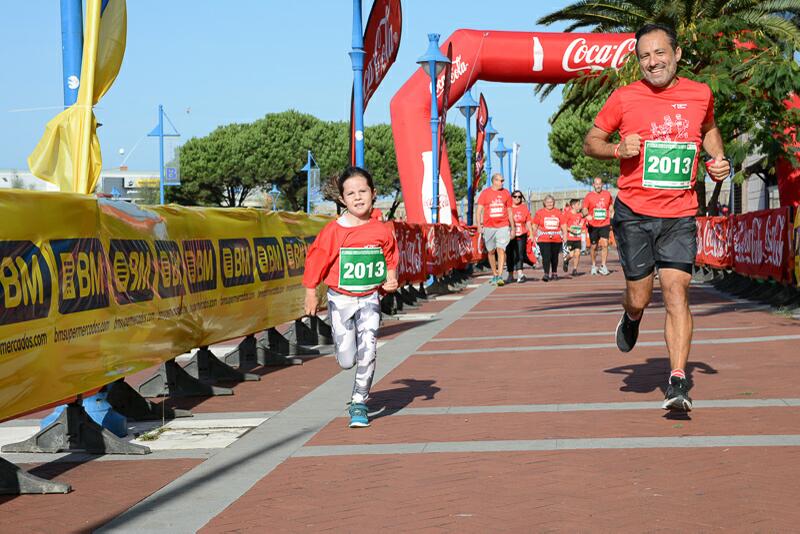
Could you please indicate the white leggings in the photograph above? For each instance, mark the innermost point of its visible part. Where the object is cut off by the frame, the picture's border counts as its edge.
(355, 322)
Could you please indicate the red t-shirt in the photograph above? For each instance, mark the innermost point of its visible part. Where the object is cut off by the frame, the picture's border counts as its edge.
(495, 207)
(521, 216)
(322, 259)
(549, 223)
(675, 115)
(376, 214)
(575, 224)
(598, 205)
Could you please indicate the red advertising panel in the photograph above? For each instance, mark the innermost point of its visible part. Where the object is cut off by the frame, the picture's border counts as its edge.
(714, 242)
(762, 244)
(411, 247)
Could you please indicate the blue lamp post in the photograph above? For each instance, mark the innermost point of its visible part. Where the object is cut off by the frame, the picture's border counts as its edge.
(433, 62)
(312, 173)
(274, 193)
(357, 59)
(467, 106)
(71, 48)
(501, 152)
(490, 133)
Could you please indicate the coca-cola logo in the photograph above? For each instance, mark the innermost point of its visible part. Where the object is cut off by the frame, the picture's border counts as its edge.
(715, 239)
(459, 68)
(581, 56)
(749, 245)
(382, 54)
(409, 243)
(774, 239)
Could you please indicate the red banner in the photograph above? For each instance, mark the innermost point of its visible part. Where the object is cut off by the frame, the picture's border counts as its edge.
(714, 242)
(411, 245)
(381, 43)
(480, 139)
(433, 249)
(762, 244)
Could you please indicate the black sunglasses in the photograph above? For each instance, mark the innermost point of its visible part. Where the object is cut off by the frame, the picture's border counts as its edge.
(517, 196)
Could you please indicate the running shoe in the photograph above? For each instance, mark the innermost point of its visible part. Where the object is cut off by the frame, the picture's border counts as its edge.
(500, 281)
(358, 415)
(521, 278)
(565, 264)
(575, 272)
(493, 280)
(603, 270)
(627, 333)
(594, 270)
(554, 276)
(677, 397)
(546, 278)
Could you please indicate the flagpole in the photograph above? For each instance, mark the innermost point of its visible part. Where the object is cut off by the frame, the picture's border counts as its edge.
(86, 93)
(71, 48)
(161, 153)
(357, 59)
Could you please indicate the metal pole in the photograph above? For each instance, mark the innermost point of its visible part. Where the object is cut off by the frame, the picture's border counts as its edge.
(308, 182)
(434, 143)
(469, 171)
(510, 175)
(161, 152)
(488, 161)
(357, 59)
(71, 48)
(502, 167)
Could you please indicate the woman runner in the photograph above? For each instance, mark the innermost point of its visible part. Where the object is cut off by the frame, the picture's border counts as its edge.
(550, 232)
(518, 247)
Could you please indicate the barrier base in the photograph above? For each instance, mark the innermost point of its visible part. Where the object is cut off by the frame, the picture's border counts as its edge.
(209, 369)
(407, 298)
(277, 343)
(127, 401)
(389, 305)
(171, 380)
(270, 358)
(310, 331)
(439, 287)
(74, 430)
(245, 356)
(417, 293)
(15, 481)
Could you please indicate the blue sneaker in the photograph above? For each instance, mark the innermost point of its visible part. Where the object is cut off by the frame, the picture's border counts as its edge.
(358, 415)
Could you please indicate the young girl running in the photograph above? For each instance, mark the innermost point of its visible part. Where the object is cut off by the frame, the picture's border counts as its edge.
(355, 256)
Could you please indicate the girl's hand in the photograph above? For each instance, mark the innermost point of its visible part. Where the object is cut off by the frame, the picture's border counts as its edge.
(312, 302)
(390, 285)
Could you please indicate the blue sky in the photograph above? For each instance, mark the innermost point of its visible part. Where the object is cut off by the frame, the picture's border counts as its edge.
(236, 61)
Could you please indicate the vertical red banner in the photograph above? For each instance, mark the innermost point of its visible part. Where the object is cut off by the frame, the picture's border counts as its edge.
(481, 118)
(444, 102)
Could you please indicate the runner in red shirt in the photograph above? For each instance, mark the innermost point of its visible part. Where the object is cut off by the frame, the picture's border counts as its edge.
(518, 247)
(496, 224)
(354, 256)
(598, 210)
(663, 122)
(550, 232)
(576, 223)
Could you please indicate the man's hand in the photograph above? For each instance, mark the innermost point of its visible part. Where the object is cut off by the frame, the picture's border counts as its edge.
(312, 302)
(718, 168)
(390, 285)
(630, 146)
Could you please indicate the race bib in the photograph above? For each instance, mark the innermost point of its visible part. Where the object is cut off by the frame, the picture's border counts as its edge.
(551, 223)
(361, 269)
(575, 230)
(668, 165)
(599, 214)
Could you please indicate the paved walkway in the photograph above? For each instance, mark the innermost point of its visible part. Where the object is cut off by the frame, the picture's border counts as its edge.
(495, 410)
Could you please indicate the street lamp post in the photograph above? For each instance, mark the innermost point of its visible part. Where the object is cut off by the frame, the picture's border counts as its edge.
(274, 193)
(433, 62)
(490, 133)
(501, 152)
(357, 60)
(467, 106)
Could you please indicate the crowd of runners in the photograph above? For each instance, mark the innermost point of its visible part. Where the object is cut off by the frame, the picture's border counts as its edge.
(663, 122)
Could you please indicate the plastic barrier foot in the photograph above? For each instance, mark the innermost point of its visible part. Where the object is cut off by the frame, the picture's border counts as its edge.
(275, 350)
(127, 401)
(407, 298)
(172, 380)
(245, 356)
(439, 287)
(15, 481)
(420, 292)
(209, 369)
(388, 305)
(75, 430)
(309, 331)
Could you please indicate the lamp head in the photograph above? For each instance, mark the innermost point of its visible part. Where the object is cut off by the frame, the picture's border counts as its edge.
(433, 54)
(501, 149)
(490, 130)
(467, 105)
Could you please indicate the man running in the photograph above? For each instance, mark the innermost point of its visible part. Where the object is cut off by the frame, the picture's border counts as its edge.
(663, 121)
(598, 210)
(496, 223)
(575, 224)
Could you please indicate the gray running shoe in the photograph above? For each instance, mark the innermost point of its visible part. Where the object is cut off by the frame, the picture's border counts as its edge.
(677, 398)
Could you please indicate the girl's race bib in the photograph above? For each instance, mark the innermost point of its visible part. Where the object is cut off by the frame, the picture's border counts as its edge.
(361, 269)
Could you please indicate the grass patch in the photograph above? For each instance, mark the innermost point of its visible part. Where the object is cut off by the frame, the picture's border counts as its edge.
(153, 434)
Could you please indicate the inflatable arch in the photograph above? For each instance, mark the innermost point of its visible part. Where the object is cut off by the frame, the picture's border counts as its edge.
(496, 56)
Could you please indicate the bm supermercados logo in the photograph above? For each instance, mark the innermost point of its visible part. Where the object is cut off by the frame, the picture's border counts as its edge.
(201, 264)
(269, 259)
(133, 270)
(295, 250)
(170, 269)
(82, 274)
(25, 285)
(237, 262)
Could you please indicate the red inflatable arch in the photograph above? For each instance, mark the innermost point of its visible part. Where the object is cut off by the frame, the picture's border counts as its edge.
(512, 57)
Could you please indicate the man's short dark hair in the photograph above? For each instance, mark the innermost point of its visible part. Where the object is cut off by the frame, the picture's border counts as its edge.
(656, 26)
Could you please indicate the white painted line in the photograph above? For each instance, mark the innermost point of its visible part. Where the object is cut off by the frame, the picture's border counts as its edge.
(415, 316)
(198, 438)
(450, 297)
(618, 308)
(650, 311)
(192, 423)
(583, 334)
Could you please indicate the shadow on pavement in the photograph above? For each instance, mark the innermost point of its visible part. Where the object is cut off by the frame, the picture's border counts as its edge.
(651, 375)
(390, 401)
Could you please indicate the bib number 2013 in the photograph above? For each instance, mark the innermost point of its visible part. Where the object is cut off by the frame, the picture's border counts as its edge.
(361, 269)
(668, 165)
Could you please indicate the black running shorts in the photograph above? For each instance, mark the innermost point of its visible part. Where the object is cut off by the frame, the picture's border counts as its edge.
(596, 233)
(573, 245)
(647, 242)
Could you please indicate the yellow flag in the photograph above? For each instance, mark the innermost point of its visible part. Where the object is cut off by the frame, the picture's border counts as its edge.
(68, 154)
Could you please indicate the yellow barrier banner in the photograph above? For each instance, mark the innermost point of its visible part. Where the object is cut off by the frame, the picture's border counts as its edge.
(92, 290)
